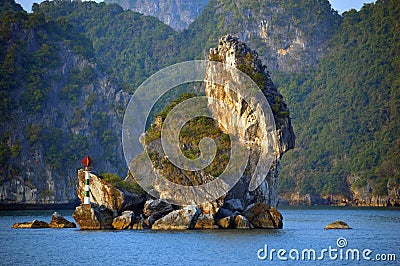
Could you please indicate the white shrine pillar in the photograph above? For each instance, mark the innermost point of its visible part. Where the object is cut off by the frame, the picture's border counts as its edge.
(87, 162)
(86, 199)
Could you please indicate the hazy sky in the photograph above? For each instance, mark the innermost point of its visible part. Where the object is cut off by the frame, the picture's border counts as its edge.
(339, 5)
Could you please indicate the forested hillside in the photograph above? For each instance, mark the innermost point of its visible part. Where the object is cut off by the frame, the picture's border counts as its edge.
(287, 34)
(56, 106)
(346, 111)
(127, 45)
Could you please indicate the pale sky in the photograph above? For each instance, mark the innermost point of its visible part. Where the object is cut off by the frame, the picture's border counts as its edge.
(346, 5)
(339, 5)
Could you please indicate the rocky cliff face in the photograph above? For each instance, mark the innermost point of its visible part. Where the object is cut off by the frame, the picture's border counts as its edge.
(235, 53)
(178, 14)
(79, 112)
(363, 196)
(287, 34)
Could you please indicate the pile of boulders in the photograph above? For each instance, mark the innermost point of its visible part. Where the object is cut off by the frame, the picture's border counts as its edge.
(116, 208)
(159, 215)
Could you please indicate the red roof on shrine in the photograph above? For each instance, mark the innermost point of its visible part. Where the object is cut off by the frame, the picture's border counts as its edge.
(87, 161)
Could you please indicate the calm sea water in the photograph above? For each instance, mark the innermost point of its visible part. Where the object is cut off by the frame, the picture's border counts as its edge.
(377, 230)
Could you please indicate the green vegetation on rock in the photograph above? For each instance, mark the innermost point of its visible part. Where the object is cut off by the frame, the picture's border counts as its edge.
(117, 181)
(189, 137)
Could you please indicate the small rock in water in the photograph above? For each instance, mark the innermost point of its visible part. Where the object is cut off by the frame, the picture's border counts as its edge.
(34, 224)
(58, 221)
(337, 225)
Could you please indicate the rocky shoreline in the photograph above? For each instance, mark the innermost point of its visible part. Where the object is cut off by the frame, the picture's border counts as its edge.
(295, 199)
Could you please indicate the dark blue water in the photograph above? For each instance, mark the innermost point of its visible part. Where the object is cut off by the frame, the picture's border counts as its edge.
(377, 230)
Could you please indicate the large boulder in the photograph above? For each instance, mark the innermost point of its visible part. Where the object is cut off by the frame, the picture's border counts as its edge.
(224, 218)
(34, 224)
(211, 207)
(139, 224)
(124, 221)
(182, 219)
(156, 208)
(58, 221)
(205, 221)
(105, 194)
(225, 222)
(128, 220)
(241, 222)
(259, 215)
(92, 217)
